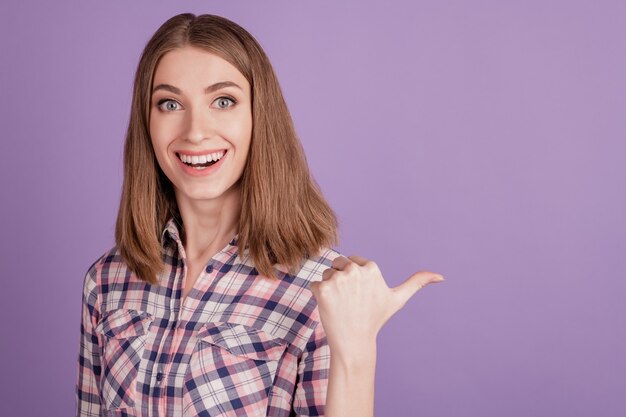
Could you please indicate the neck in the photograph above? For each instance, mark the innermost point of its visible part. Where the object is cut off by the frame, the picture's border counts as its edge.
(209, 224)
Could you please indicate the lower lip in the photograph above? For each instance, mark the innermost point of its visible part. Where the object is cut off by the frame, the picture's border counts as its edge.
(201, 172)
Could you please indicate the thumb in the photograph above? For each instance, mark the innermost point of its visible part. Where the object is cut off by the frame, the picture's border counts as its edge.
(413, 284)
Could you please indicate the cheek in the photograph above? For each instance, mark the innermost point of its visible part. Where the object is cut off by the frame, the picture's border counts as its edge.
(164, 125)
(243, 134)
(159, 146)
(160, 135)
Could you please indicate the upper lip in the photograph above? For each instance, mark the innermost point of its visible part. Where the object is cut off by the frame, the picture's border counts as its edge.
(198, 153)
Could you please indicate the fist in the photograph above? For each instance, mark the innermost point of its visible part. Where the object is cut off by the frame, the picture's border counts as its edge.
(355, 302)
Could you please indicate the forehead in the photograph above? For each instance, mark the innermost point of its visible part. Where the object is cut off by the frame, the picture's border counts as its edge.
(192, 68)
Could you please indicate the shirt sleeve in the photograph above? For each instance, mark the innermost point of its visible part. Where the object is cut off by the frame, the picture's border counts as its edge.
(88, 382)
(313, 368)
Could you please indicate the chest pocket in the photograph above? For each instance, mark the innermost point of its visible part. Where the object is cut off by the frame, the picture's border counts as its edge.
(123, 334)
(231, 371)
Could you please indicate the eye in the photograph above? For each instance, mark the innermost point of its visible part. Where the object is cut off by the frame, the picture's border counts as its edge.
(170, 105)
(222, 102)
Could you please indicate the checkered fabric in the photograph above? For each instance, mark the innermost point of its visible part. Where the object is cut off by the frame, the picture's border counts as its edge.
(240, 345)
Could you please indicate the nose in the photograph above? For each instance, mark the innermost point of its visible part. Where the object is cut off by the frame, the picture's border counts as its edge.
(200, 124)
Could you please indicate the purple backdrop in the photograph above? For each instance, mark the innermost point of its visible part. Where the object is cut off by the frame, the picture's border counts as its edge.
(482, 140)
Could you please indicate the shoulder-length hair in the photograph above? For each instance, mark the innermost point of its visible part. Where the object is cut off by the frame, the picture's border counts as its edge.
(284, 217)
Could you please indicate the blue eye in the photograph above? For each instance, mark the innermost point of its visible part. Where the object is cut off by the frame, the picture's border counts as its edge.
(169, 104)
(222, 100)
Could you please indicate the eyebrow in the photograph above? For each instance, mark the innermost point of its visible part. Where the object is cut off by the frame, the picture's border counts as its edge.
(208, 90)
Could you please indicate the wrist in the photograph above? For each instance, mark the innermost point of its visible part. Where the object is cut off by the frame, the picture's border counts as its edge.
(354, 357)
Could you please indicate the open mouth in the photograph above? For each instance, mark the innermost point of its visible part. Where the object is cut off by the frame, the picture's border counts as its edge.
(201, 161)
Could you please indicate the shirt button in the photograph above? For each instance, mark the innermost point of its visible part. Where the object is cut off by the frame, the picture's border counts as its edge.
(209, 269)
(159, 376)
(173, 327)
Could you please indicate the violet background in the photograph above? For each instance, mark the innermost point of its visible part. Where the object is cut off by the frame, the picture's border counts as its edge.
(484, 140)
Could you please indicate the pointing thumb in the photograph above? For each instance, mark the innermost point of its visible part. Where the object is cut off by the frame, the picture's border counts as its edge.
(413, 284)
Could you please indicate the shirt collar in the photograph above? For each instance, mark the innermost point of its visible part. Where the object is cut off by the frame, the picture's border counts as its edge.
(171, 230)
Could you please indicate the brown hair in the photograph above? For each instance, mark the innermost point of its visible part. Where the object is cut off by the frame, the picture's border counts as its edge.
(284, 218)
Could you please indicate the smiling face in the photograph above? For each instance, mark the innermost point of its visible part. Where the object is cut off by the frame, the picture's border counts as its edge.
(200, 123)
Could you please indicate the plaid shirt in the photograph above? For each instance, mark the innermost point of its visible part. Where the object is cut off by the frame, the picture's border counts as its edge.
(240, 345)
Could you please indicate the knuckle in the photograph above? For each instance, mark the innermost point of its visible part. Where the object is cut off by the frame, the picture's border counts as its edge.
(338, 261)
(351, 268)
(372, 266)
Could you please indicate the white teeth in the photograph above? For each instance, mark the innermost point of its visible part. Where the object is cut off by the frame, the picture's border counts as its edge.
(201, 159)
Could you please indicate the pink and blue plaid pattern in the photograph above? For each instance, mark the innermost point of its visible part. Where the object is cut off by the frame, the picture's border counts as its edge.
(240, 345)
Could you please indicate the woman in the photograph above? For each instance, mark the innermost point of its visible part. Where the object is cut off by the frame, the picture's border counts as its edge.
(222, 296)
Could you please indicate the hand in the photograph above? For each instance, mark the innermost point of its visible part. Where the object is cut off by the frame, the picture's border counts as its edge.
(355, 302)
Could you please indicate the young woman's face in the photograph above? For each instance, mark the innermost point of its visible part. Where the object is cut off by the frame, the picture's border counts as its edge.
(200, 122)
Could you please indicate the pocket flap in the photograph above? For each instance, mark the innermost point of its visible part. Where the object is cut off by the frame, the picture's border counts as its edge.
(122, 324)
(242, 340)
